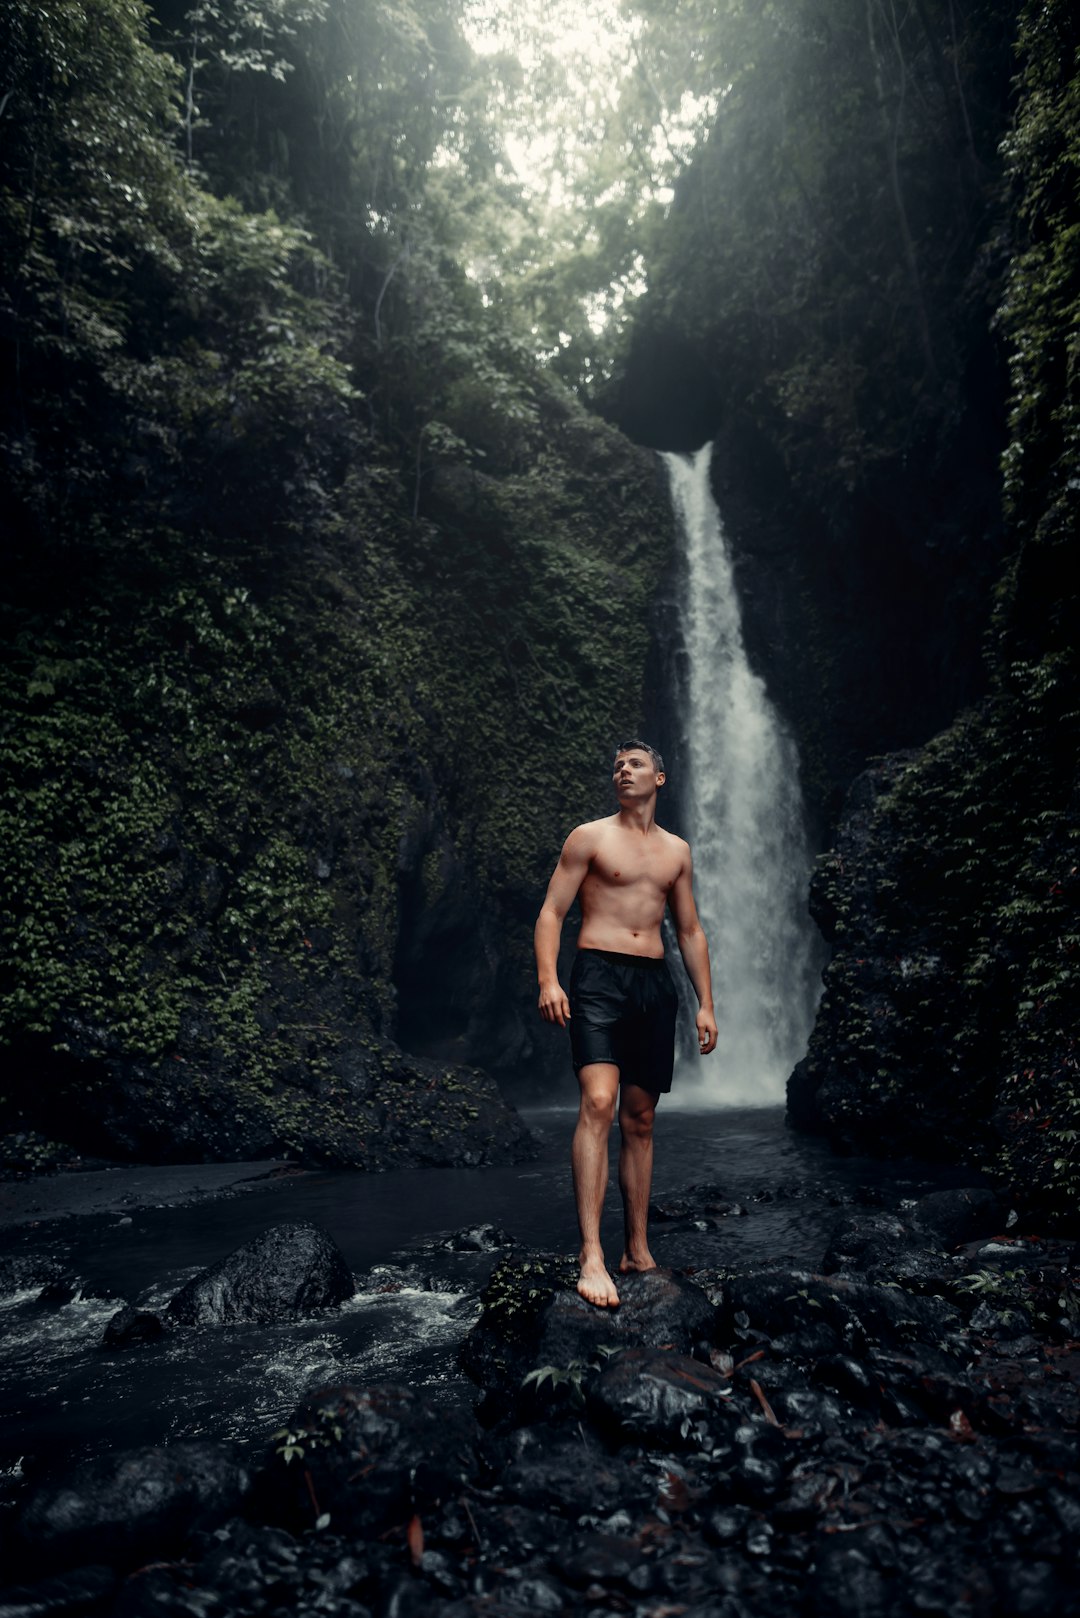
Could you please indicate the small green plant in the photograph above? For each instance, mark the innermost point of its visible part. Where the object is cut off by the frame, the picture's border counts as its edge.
(990, 1283)
(569, 1376)
(320, 1432)
(573, 1376)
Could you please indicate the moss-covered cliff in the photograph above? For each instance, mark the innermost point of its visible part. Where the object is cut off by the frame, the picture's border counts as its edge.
(323, 607)
(951, 1009)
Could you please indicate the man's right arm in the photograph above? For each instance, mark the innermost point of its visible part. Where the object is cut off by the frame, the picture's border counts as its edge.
(562, 890)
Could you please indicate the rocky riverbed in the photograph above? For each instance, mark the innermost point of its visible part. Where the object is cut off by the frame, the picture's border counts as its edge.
(893, 1431)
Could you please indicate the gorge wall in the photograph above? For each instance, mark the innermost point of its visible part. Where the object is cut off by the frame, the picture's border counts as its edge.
(323, 607)
(879, 345)
(325, 599)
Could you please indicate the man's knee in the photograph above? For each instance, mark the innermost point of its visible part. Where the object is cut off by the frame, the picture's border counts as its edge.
(636, 1117)
(598, 1099)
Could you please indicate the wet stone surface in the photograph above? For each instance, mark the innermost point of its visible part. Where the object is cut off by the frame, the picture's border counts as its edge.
(892, 1432)
(285, 1273)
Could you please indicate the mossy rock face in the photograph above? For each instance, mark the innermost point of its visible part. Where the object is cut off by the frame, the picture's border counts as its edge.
(254, 844)
(375, 1107)
(314, 642)
(947, 1025)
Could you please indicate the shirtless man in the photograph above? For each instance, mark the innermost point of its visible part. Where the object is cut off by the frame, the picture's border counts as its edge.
(622, 1003)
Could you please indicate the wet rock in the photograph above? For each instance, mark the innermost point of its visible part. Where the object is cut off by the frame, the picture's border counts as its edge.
(1000, 1322)
(808, 1410)
(477, 1239)
(568, 1473)
(929, 1384)
(728, 1525)
(900, 1411)
(773, 1302)
(658, 1399)
(700, 1206)
(84, 1590)
(808, 1343)
(907, 1452)
(657, 1309)
(408, 1457)
(1066, 1508)
(849, 1377)
(756, 1460)
(756, 1480)
(133, 1504)
(861, 1241)
(923, 1270)
(959, 1216)
(244, 1569)
(598, 1559)
(846, 1584)
(59, 1292)
(532, 1317)
(285, 1274)
(438, 1571)
(27, 1272)
(1033, 1590)
(807, 1498)
(131, 1325)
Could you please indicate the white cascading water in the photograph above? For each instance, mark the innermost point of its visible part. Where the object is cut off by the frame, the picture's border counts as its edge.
(745, 825)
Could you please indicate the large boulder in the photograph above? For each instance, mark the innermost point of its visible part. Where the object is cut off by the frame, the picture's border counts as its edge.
(132, 1504)
(532, 1317)
(284, 1274)
(658, 1309)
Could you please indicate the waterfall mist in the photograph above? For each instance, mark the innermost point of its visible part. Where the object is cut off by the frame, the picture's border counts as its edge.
(743, 811)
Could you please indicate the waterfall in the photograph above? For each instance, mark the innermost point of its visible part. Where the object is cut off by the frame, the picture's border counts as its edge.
(745, 824)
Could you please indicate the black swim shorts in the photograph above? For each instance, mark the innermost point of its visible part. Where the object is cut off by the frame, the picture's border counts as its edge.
(622, 1010)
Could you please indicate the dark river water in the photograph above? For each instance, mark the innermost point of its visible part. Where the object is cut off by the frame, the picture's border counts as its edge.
(62, 1395)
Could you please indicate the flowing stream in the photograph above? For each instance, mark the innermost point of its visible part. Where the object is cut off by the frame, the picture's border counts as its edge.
(745, 823)
(63, 1396)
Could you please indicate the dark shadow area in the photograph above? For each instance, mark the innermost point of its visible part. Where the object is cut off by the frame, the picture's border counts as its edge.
(664, 396)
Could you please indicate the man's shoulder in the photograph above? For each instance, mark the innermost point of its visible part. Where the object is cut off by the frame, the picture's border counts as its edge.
(671, 836)
(675, 844)
(590, 831)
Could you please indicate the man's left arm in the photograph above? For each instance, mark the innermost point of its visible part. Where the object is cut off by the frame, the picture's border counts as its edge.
(694, 949)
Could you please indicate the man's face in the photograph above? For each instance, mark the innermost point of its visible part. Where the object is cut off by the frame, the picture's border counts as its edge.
(635, 775)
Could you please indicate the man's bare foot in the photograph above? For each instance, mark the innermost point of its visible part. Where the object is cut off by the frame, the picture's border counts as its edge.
(595, 1284)
(642, 1260)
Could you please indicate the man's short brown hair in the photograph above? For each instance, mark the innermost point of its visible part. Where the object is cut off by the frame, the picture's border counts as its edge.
(641, 747)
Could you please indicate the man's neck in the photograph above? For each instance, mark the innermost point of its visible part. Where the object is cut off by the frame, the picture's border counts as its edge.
(637, 817)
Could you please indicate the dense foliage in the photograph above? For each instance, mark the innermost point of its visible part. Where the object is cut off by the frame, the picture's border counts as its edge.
(323, 602)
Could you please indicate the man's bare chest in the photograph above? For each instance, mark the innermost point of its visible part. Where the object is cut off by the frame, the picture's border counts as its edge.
(630, 868)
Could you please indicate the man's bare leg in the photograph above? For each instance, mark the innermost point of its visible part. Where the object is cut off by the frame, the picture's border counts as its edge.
(637, 1108)
(589, 1157)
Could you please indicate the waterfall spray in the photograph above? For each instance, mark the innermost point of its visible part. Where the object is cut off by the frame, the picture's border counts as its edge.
(745, 824)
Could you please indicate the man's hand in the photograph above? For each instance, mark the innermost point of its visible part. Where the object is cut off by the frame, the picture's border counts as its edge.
(706, 1031)
(554, 1006)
